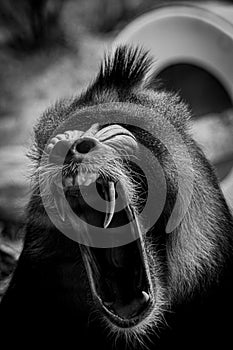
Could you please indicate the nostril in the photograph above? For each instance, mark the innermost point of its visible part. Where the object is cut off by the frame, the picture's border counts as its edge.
(84, 146)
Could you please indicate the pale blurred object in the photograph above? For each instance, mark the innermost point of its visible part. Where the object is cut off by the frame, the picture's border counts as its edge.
(192, 46)
(214, 133)
(14, 185)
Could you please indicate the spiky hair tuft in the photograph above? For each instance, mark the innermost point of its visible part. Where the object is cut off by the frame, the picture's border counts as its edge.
(125, 69)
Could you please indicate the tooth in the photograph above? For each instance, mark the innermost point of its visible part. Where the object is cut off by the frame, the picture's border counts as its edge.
(90, 178)
(145, 297)
(79, 180)
(82, 179)
(59, 203)
(110, 204)
(68, 181)
(88, 182)
(85, 179)
(108, 303)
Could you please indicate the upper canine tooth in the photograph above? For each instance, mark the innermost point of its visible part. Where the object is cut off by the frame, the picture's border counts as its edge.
(110, 204)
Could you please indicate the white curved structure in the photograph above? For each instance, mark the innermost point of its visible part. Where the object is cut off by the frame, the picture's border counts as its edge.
(190, 34)
(196, 34)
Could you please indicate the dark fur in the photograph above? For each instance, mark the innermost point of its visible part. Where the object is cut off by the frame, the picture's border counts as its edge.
(49, 297)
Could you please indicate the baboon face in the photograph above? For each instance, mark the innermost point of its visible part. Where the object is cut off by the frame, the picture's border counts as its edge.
(99, 189)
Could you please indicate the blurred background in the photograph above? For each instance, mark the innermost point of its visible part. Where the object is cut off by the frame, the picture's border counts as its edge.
(52, 48)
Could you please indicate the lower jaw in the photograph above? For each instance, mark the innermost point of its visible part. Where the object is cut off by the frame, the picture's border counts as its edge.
(120, 324)
(113, 320)
(143, 310)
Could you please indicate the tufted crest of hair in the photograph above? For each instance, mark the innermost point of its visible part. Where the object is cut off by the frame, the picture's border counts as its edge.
(125, 69)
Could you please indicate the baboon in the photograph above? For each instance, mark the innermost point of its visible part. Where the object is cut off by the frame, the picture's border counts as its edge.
(120, 279)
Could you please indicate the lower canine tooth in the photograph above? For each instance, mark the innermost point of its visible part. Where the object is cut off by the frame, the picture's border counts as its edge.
(60, 207)
(145, 297)
(68, 181)
(108, 303)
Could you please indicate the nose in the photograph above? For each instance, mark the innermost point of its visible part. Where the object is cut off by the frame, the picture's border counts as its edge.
(85, 145)
(65, 150)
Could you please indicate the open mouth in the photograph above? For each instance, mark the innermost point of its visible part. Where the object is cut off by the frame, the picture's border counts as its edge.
(119, 275)
(119, 283)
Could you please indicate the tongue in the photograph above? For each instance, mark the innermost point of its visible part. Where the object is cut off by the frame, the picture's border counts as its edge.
(133, 308)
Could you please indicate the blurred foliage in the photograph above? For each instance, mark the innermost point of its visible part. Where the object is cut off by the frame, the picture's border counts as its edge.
(104, 16)
(29, 24)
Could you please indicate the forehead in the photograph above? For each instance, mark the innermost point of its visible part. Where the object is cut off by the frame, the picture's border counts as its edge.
(104, 114)
(158, 116)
